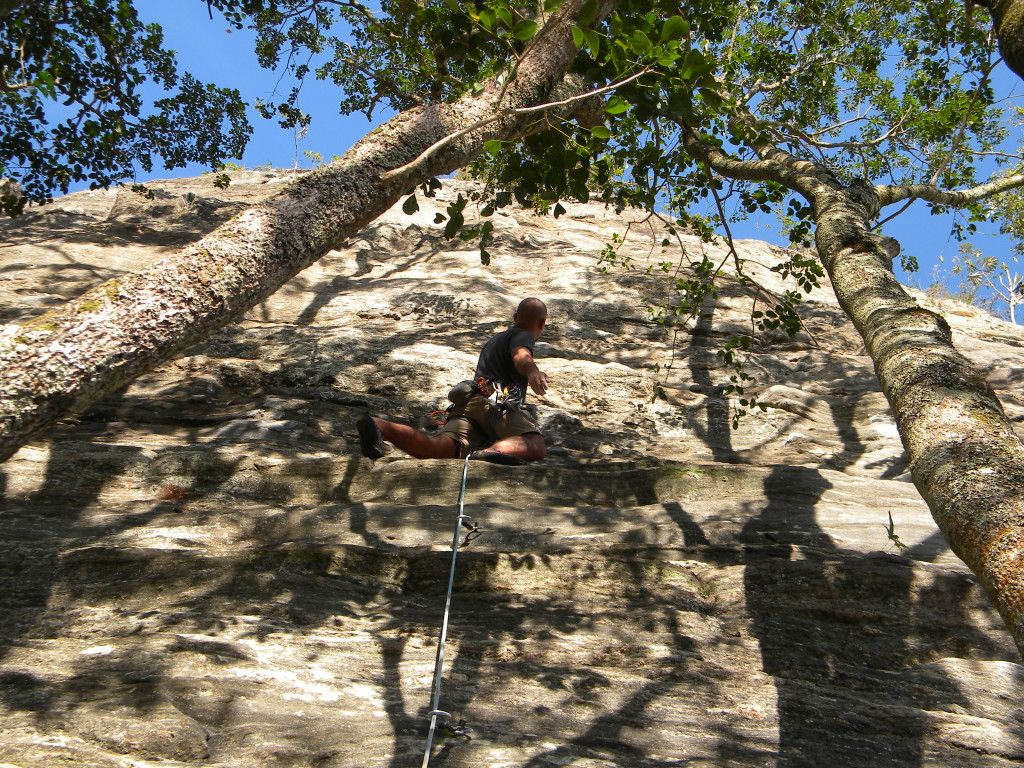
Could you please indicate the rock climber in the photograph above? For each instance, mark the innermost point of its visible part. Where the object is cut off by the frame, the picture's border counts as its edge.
(490, 424)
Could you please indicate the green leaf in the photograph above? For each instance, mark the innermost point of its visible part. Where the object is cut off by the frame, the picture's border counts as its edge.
(639, 43)
(676, 28)
(616, 106)
(577, 36)
(601, 132)
(440, 218)
(454, 225)
(693, 63)
(711, 98)
(593, 42)
(524, 29)
(588, 13)
(668, 58)
(552, 5)
(505, 15)
(410, 206)
(488, 18)
(493, 147)
(618, 57)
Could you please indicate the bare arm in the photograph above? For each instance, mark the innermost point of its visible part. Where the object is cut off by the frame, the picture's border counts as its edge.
(522, 359)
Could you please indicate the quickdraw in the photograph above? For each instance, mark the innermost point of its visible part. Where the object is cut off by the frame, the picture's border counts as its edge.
(498, 392)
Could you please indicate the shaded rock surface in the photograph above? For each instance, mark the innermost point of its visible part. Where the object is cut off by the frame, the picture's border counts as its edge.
(201, 570)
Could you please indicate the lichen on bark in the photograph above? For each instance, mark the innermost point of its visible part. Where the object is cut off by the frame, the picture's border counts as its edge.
(1008, 17)
(964, 457)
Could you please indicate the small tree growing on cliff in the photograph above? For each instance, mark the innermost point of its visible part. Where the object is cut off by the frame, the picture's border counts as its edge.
(987, 282)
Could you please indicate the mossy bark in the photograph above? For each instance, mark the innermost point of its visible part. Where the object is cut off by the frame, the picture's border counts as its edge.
(964, 456)
(1008, 17)
(71, 357)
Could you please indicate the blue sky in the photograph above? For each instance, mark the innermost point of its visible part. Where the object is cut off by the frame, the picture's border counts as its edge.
(214, 52)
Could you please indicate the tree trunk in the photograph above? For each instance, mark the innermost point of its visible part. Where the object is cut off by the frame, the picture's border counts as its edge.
(68, 358)
(965, 459)
(1008, 18)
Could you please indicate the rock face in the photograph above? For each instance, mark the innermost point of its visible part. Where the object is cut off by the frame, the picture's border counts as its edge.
(202, 570)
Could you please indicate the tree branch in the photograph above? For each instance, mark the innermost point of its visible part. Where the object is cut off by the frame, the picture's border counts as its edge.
(895, 193)
(775, 164)
(962, 128)
(425, 158)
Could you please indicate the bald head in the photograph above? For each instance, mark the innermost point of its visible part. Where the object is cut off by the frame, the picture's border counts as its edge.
(531, 316)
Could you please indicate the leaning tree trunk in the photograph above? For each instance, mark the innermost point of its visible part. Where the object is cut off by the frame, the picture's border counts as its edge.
(965, 459)
(70, 357)
(1008, 19)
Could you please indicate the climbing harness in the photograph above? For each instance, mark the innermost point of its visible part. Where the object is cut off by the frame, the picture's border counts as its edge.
(438, 717)
(501, 396)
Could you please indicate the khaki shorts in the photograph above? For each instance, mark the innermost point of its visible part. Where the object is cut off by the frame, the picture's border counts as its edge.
(468, 426)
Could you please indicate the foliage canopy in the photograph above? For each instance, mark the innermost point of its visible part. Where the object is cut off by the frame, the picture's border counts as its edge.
(76, 104)
(896, 93)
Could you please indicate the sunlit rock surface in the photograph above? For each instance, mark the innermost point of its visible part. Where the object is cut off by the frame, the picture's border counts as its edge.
(201, 570)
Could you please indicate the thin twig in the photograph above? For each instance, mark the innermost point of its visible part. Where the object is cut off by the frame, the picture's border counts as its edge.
(425, 156)
(962, 128)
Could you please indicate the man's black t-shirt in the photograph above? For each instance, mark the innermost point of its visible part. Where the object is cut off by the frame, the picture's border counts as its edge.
(495, 363)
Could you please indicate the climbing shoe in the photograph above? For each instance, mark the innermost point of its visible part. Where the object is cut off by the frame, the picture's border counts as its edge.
(370, 441)
(495, 457)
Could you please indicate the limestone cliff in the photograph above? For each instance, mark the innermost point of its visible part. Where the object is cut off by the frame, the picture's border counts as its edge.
(203, 571)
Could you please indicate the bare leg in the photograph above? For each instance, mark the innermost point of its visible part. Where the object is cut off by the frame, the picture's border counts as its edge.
(529, 447)
(416, 443)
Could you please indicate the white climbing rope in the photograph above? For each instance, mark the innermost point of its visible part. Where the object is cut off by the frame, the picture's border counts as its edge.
(435, 712)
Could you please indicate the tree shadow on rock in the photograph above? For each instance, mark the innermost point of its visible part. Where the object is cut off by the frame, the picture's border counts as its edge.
(837, 629)
(36, 531)
(716, 429)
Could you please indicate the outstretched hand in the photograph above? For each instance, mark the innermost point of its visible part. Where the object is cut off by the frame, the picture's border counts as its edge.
(538, 381)
(522, 358)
